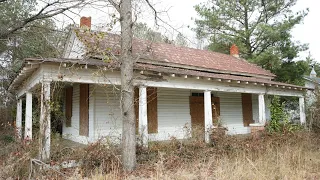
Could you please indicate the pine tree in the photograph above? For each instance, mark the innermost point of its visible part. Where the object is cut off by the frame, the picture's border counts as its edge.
(260, 28)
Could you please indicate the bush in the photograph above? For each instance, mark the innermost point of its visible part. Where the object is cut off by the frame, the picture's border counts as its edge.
(100, 156)
(279, 119)
(314, 111)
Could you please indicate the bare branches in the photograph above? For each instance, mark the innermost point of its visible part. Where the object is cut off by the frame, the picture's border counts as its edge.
(115, 5)
(154, 11)
(156, 18)
(47, 11)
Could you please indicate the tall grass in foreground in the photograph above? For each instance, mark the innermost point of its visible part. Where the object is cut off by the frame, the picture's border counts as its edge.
(290, 156)
(276, 156)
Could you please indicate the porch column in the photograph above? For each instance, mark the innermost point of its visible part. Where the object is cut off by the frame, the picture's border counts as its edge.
(45, 122)
(262, 109)
(207, 115)
(143, 118)
(28, 117)
(302, 110)
(19, 119)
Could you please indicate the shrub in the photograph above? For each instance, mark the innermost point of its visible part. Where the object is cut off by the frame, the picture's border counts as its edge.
(279, 119)
(314, 111)
(100, 156)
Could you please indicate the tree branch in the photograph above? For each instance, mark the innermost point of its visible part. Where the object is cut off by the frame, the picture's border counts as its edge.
(40, 15)
(115, 5)
(154, 11)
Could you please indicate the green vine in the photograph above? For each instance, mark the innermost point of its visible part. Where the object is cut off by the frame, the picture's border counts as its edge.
(279, 119)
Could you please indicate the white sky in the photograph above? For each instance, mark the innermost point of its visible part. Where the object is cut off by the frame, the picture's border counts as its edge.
(181, 14)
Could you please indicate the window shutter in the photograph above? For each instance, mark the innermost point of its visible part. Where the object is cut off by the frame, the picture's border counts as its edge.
(152, 109)
(84, 110)
(247, 109)
(68, 105)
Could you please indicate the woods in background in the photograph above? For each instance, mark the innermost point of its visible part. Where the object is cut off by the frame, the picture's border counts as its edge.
(262, 31)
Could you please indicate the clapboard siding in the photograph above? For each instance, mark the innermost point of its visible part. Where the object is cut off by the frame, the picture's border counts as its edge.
(231, 113)
(174, 118)
(72, 132)
(255, 107)
(107, 112)
(173, 114)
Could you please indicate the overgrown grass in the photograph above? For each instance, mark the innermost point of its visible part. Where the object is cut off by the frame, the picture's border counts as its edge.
(276, 156)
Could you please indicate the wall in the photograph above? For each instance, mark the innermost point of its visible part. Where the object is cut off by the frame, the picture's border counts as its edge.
(231, 113)
(72, 132)
(173, 114)
(107, 112)
(74, 49)
(255, 107)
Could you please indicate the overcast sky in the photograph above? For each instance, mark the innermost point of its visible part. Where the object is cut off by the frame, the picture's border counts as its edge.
(180, 14)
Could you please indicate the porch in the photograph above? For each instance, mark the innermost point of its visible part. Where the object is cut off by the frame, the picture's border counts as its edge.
(99, 115)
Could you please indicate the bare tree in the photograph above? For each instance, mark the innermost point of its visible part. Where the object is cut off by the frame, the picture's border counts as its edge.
(127, 89)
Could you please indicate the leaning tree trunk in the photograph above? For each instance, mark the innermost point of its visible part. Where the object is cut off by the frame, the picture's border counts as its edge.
(127, 88)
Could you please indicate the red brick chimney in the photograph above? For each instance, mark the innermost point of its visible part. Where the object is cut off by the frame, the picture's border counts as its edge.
(234, 51)
(85, 22)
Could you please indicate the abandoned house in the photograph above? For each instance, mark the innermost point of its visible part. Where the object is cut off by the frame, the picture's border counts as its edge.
(177, 89)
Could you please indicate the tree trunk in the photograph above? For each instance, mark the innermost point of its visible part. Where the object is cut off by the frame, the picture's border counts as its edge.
(127, 89)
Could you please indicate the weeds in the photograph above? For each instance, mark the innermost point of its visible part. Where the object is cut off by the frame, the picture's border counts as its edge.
(276, 156)
(279, 119)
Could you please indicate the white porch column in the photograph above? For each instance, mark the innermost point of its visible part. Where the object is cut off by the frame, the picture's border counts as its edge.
(302, 110)
(207, 115)
(143, 118)
(262, 109)
(19, 119)
(45, 123)
(28, 117)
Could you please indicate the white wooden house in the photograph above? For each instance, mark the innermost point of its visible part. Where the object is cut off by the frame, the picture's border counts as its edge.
(311, 82)
(177, 88)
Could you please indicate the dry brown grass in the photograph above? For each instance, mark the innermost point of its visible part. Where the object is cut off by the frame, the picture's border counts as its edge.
(290, 156)
(277, 156)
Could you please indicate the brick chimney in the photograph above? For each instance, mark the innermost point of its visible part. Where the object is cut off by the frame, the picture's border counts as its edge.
(85, 22)
(234, 51)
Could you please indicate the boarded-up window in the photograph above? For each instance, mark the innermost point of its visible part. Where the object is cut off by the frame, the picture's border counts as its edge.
(247, 109)
(152, 98)
(197, 112)
(68, 106)
(152, 109)
(197, 109)
(84, 110)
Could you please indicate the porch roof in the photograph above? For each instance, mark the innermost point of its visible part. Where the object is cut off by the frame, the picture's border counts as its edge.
(32, 64)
